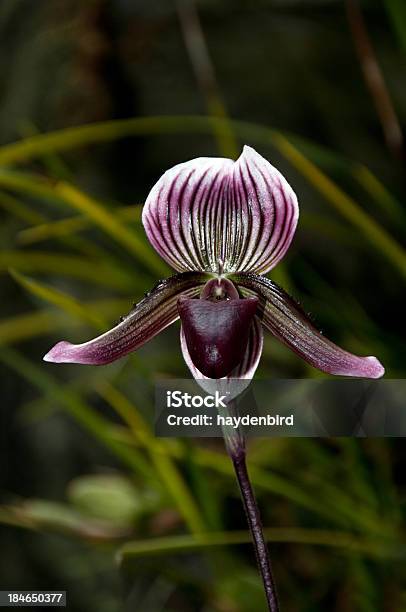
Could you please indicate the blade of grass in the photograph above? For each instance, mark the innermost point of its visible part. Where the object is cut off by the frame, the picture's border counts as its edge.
(208, 498)
(82, 385)
(28, 183)
(323, 225)
(38, 187)
(44, 322)
(358, 476)
(62, 300)
(77, 407)
(377, 190)
(27, 326)
(8, 517)
(348, 208)
(70, 138)
(55, 166)
(397, 12)
(331, 161)
(95, 211)
(67, 265)
(354, 317)
(315, 537)
(111, 224)
(205, 74)
(20, 210)
(163, 463)
(53, 229)
(44, 515)
(319, 499)
(71, 225)
(374, 79)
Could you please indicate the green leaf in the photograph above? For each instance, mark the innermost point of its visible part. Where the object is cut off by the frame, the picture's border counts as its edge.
(26, 326)
(61, 264)
(397, 12)
(71, 138)
(95, 211)
(44, 322)
(314, 537)
(345, 204)
(61, 300)
(111, 497)
(112, 225)
(71, 225)
(54, 164)
(163, 463)
(331, 161)
(20, 210)
(44, 515)
(28, 183)
(101, 429)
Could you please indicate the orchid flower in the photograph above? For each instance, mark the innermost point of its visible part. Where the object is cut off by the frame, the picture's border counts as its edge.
(222, 225)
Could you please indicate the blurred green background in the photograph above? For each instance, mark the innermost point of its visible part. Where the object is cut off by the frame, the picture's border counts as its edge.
(91, 501)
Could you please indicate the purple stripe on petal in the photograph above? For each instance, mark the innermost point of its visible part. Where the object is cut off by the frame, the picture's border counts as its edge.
(155, 312)
(244, 213)
(273, 208)
(287, 321)
(174, 214)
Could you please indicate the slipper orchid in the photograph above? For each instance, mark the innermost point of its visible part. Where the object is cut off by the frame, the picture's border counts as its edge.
(222, 225)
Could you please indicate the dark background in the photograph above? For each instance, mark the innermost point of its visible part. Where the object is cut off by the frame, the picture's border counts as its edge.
(69, 498)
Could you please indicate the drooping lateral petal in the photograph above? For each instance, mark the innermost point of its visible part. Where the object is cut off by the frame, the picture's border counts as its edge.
(287, 321)
(149, 317)
(207, 210)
